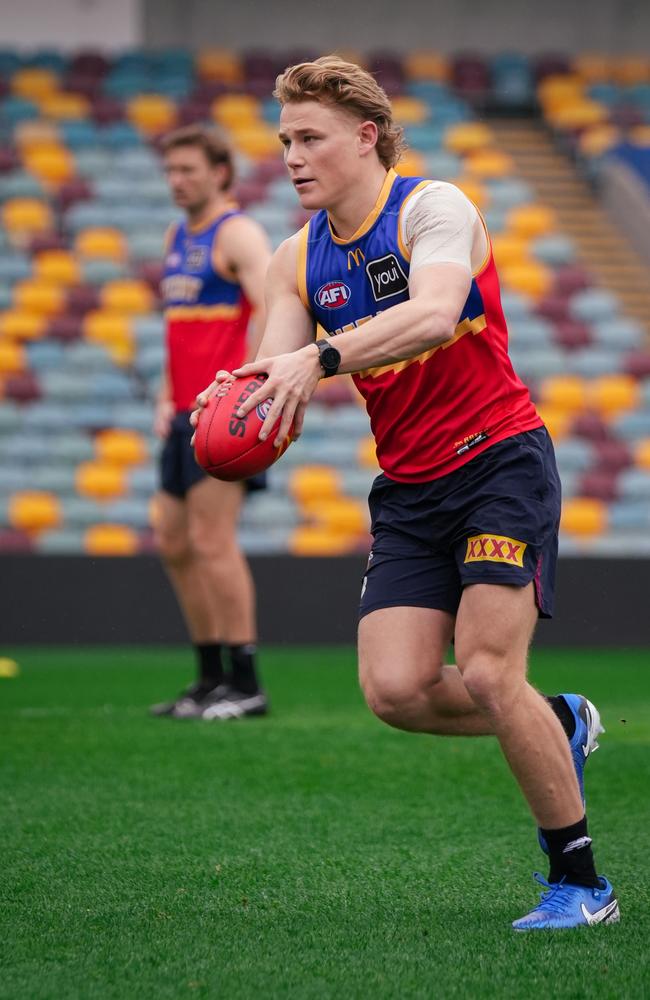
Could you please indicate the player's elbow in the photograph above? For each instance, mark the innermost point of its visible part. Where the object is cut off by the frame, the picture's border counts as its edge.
(440, 328)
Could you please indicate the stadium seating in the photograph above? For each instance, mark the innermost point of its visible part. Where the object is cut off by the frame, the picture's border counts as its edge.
(84, 208)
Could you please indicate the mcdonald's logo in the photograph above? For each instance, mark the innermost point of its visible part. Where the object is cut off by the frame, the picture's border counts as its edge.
(357, 256)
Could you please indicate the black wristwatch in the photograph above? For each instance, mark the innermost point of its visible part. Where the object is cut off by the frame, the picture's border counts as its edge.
(330, 358)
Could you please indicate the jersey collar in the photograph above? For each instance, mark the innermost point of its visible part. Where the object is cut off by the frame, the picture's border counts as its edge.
(372, 216)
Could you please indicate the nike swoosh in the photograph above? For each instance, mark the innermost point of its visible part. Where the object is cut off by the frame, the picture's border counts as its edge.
(599, 915)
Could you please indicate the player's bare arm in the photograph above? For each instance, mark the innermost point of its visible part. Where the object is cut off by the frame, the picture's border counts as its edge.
(428, 319)
(243, 253)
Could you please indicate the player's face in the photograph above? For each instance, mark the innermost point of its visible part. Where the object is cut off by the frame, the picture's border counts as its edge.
(192, 179)
(322, 150)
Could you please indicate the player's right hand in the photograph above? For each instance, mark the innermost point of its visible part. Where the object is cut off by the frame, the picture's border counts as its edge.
(221, 381)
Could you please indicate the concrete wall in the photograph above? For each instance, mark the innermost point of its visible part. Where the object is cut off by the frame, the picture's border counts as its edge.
(70, 24)
(443, 25)
(77, 599)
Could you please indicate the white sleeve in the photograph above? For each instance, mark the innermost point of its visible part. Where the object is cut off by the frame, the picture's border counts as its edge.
(438, 226)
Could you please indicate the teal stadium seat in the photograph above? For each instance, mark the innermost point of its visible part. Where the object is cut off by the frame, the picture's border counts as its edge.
(137, 416)
(620, 332)
(264, 509)
(592, 362)
(51, 478)
(593, 305)
(633, 425)
(556, 250)
(14, 110)
(45, 417)
(93, 163)
(79, 134)
(94, 415)
(133, 511)
(443, 166)
(143, 480)
(63, 541)
(45, 355)
(573, 455)
(516, 306)
(534, 364)
(530, 332)
(149, 329)
(99, 271)
(634, 484)
(14, 266)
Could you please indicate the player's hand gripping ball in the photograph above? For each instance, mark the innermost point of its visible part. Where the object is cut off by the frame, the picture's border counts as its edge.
(227, 446)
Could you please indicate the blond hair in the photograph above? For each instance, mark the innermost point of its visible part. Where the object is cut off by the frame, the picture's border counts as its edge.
(211, 139)
(331, 80)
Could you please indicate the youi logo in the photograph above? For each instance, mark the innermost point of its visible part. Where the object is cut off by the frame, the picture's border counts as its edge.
(333, 295)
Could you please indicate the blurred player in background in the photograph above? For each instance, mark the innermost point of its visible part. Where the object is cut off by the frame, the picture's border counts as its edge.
(215, 266)
(400, 273)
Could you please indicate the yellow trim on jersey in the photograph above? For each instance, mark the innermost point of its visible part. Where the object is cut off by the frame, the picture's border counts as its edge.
(372, 216)
(488, 252)
(301, 266)
(476, 325)
(203, 312)
(400, 242)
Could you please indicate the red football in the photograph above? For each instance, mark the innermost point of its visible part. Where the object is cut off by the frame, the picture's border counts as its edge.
(227, 446)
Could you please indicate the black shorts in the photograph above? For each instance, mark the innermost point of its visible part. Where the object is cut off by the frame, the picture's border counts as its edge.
(179, 470)
(495, 520)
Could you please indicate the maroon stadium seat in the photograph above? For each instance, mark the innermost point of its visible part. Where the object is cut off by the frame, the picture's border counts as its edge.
(23, 388)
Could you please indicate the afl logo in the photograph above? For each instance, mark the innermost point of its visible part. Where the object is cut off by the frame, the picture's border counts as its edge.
(333, 295)
(263, 408)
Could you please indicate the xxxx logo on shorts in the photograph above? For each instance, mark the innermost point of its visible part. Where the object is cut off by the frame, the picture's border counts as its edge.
(495, 548)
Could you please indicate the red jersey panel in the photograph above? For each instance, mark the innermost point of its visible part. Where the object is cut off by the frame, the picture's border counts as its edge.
(207, 315)
(430, 414)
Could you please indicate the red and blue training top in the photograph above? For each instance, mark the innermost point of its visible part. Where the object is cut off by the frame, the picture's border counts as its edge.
(206, 314)
(432, 413)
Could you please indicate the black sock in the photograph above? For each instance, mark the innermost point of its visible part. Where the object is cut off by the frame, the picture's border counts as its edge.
(242, 659)
(563, 712)
(209, 663)
(570, 855)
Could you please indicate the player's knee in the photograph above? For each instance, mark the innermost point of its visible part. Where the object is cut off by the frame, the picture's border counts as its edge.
(490, 681)
(396, 703)
(173, 547)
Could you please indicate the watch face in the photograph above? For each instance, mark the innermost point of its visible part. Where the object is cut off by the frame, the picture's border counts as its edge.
(330, 358)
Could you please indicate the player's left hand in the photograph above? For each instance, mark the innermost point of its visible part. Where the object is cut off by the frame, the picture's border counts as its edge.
(222, 381)
(292, 379)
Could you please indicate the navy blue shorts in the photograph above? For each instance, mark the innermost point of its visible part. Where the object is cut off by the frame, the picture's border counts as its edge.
(495, 520)
(179, 470)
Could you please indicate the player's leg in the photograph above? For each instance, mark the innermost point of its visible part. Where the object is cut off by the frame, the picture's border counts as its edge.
(403, 676)
(213, 513)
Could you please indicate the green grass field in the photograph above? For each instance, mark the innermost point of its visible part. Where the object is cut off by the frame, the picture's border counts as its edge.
(311, 854)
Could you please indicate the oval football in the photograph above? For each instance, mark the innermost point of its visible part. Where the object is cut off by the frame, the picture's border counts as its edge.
(228, 447)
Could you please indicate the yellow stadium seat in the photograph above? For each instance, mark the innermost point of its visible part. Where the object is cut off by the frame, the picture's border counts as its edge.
(566, 393)
(110, 540)
(530, 277)
(509, 249)
(598, 139)
(151, 113)
(23, 217)
(100, 480)
(490, 163)
(120, 447)
(259, 143)
(468, 137)
(426, 66)
(314, 482)
(57, 266)
(40, 297)
(409, 110)
(127, 296)
(220, 65)
(611, 394)
(474, 190)
(583, 516)
(593, 67)
(631, 69)
(342, 514)
(313, 540)
(557, 421)
(36, 132)
(104, 327)
(34, 511)
(556, 91)
(122, 353)
(20, 325)
(12, 357)
(578, 115)
(51, 164)
(532, 220)
(34, 83)
(639, 136)
(642, 453)
(64, 106)
(236, 111)
(367, 453)
(105, 243)
(411, 164)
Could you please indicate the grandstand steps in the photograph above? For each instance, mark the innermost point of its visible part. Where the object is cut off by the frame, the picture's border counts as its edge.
(602, 248)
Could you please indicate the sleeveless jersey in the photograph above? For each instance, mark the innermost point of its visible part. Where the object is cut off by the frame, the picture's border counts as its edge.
(206, 314)
(432, 413)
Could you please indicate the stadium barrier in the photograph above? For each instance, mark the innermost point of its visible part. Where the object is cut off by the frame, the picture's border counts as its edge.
(127, 600)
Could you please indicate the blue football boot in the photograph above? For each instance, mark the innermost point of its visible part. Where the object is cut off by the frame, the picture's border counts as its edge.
(563, 906)
(584, 741)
